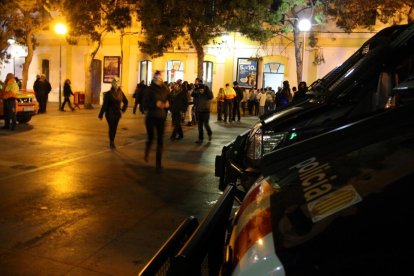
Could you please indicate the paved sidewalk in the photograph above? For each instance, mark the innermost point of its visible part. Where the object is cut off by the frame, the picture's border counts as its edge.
(71, 206)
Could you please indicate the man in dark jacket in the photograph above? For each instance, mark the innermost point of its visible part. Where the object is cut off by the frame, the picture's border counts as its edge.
(42, 89)
(202, 96)
(236, 101)
(138, 96)
(179, 102)
(156, 104)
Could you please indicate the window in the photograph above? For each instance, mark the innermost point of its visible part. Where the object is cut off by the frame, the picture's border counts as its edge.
(145, 71)
(175, 70)
(273, 75)
(45, 68)
(208, 73)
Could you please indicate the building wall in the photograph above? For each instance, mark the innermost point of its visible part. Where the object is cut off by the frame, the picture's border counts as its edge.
(336, 48)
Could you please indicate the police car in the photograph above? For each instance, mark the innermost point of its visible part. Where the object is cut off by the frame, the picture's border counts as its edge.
(360, 87)
(26, 106)
(337, 203)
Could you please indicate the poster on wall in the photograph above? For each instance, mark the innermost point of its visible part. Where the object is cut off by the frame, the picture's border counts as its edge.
(111, 68)
(247, 72)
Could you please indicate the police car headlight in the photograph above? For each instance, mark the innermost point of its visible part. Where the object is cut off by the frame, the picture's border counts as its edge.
(262, 142)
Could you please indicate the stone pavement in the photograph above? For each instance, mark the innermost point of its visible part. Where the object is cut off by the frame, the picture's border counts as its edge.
(71, 206)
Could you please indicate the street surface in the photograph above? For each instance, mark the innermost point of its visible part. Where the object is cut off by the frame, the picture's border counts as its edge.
(71, 206)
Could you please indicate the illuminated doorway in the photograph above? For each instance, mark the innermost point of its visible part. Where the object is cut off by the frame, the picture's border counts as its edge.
(273, 75)
(208, 73)
(175, 70)
(145, 71)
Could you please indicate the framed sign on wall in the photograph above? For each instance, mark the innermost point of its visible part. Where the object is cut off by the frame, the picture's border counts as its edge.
(111, 68)
(247, 72)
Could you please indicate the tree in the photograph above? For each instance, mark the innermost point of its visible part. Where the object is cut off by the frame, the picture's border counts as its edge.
(93, 19)
(5, 32)
(352, 14)
(25, 19)
(285, 17)
(348, 15)
(166, 20)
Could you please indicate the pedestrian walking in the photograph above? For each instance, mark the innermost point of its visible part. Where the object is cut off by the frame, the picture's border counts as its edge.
(42, 89)
(202, 96)
(111, 107)
(67, 92)
(156, 105)
(9, 95)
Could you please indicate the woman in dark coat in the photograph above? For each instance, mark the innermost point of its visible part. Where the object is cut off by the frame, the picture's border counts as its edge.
(111, 107)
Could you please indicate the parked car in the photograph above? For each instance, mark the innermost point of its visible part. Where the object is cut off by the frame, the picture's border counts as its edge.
(360, 87)
(26, 106)
(335, 203)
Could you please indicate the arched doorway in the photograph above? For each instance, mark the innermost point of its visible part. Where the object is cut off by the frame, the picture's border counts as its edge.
(273, 75)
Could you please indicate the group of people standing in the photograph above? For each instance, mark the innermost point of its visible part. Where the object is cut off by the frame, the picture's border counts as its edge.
(265, 100)
(155, 101)
(229, 100)
(42, 88)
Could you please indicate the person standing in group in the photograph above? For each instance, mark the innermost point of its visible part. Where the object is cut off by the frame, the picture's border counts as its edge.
(229, 95)
(138, 95)
(155, 107)
(252, 101)
(236, 101)
(244, 101)
(67, 92)
(189, 113)
(202, 96)
(42, 89)
(9, 101)
(261, 97)
(220, 104)
(178, 99)
(301, 93)
(111, 107)
(284, 96)
(35, 84)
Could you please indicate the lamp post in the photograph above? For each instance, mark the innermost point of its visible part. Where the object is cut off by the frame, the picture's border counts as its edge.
(61, 30)
(304, 26)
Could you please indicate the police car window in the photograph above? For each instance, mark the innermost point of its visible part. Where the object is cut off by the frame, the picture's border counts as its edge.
(347, 70)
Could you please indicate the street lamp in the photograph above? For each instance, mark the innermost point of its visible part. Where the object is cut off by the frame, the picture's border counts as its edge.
(61, 30)
(304, 26)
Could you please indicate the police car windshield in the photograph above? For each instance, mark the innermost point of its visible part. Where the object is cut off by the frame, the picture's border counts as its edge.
(325, 87)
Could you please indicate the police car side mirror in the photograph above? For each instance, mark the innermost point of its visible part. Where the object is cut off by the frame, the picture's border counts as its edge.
(405, 91)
